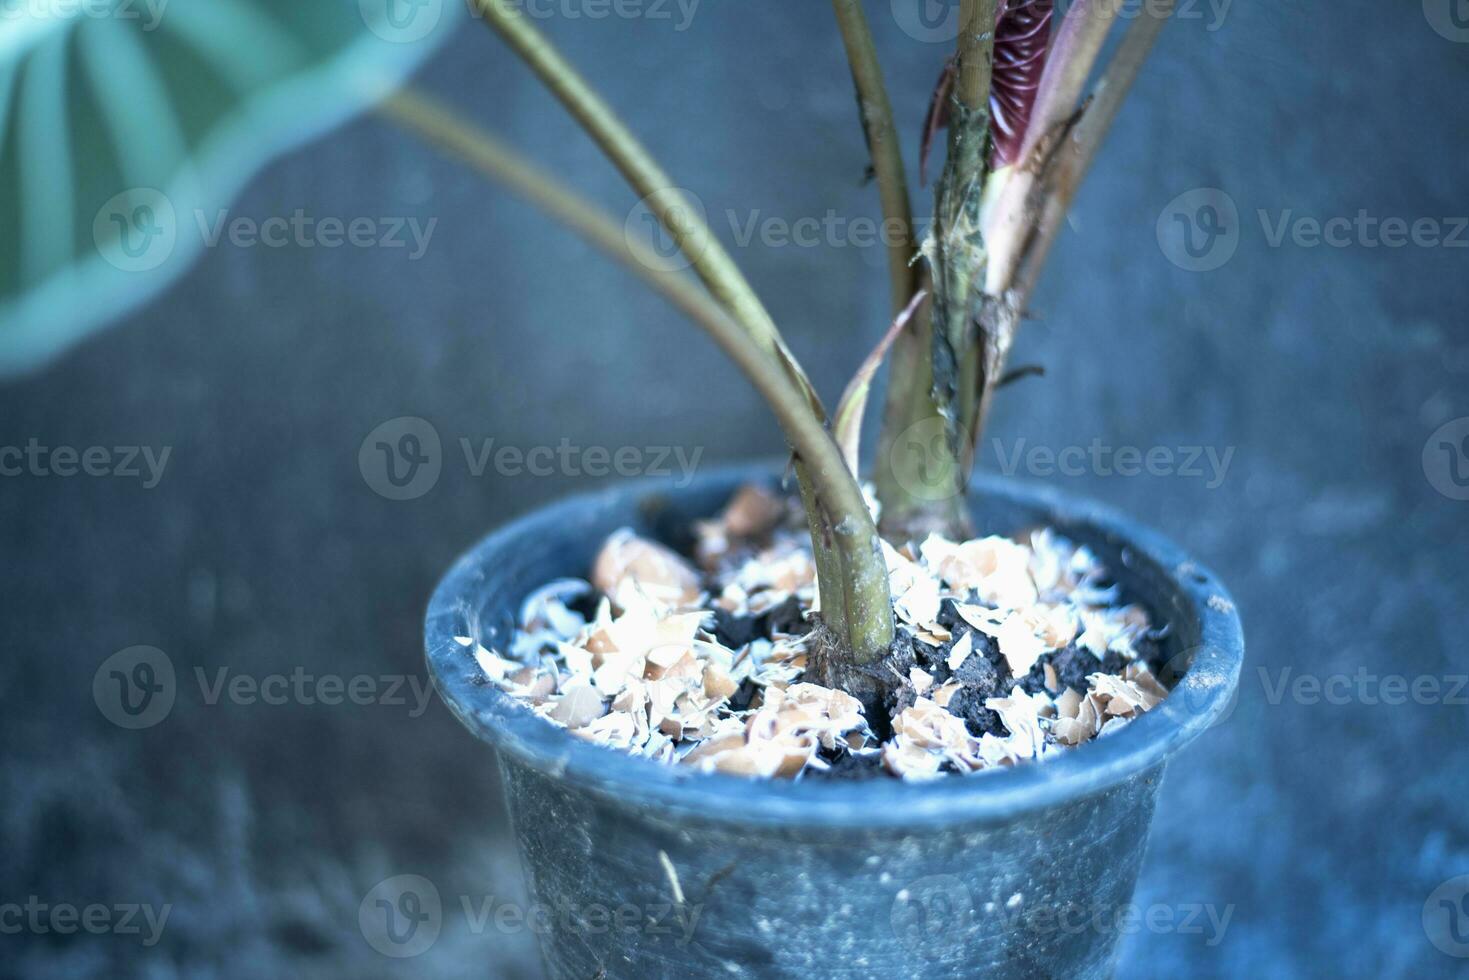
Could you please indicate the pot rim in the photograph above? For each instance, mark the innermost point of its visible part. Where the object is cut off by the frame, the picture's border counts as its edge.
(1212, 632)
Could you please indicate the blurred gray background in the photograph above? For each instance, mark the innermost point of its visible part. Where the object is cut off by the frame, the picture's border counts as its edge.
(1189, 305)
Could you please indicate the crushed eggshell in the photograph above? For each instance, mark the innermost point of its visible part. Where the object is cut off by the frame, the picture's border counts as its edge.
(961, 651)
(997, 568)
(753, 514)
(629, 565)
(1120, 696)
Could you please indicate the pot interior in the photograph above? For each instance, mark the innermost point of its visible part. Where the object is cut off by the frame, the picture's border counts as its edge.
(480, 596)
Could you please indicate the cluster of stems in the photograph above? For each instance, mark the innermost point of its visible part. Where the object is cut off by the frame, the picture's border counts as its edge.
(990, 232)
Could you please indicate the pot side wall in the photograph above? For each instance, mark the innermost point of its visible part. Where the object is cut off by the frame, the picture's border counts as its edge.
(1031, 897)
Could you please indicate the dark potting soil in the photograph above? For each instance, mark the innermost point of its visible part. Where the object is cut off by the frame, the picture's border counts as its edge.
(987, 675)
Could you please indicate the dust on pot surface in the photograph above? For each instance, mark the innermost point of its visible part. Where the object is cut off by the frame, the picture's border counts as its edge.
(638, 869)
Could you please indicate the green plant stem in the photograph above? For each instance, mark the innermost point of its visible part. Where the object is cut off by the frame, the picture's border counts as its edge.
(957, 248)
(976, 53)
(905, 458)
(910, 398)
(1086, 138)
(972, 91)
(960, 246)
(866, 609)
(886, 150)
(694, 237)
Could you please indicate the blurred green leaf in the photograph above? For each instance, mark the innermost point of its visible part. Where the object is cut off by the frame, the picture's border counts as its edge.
(122, 120)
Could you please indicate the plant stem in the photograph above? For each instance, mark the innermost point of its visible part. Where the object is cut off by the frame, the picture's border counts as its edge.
(1059, 149)
(976, 53)
(956, 250)
(694, 238)
(886, 150)
(909, 461)
(866, 609)
(1087, 136)
(960, 246)
(688, 228)
(910, 401)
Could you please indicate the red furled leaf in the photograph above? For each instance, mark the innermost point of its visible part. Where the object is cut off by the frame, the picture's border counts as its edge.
(938, 116)
(1022, 39)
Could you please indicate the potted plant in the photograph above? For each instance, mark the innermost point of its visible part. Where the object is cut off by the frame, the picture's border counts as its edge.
(928, 736)
(928, 740)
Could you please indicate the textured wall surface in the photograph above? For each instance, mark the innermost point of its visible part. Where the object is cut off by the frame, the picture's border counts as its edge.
(1189, 306)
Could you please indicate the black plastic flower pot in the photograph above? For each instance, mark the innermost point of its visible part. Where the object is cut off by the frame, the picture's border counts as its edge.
(637, 869)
